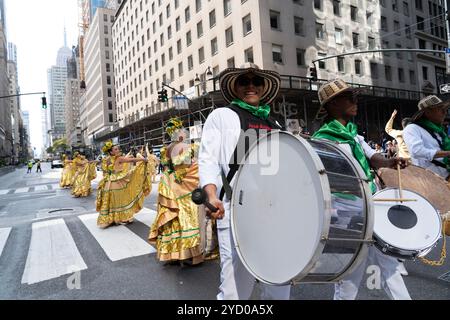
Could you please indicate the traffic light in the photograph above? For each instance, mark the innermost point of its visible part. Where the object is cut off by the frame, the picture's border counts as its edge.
(162, 96)
(44, 102)
(313, 73)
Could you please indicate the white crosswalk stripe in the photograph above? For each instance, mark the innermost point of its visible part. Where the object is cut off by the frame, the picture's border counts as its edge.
(38, 188)
(146, 216)
(4, 191)
(4, 234)
(118, 242)
(22, 190)
(52, 252)
(41, 188)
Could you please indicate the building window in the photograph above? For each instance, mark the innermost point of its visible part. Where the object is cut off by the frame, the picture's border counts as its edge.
(298, 26)
(187, 14)
(110, 105)
(384, 25)
(190, 63)
(338, 35)
(369, 18)
(412, 77)
(201, 55)
(226, 7)
(275, 20)
(371, 42)
(358, 67)
(199, 29)
(229, 36)
(406, 8)
(177, 24)
(212, 18)
(110, 117)
(247, 24)
(374, 70)
(422, 44)
(214, 48)
(420, 24)
(169, 32)
(388, 73)
(318, 4)
(320, 34)
(277, 53)
(401, 75)
(230, 63)
(198, 5)
(425, 73)
(340, 64)
(248, 55)
(179, 47)
(322, 64)
(300, 57)
(105, 29)
(106, 42)
(355, 38)
(353, 13)
(397, 27)
(180, 69)
(408, 31)
(395, 5)
(419, 5)
(337, 7)
(188, 38)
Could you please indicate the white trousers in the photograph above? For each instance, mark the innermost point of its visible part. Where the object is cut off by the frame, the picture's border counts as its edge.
(390, 278)
(236, 283)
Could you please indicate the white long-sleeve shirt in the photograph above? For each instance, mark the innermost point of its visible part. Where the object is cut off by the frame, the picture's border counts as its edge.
(220, 136)
(422, 148)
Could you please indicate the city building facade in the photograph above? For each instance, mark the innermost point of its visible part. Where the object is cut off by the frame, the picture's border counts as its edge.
(100, 102)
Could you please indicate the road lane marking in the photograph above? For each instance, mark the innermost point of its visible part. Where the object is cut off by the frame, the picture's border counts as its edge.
(52, 252)
(22, 190)
(4, 234)
(146, 216)
(118, 242)
(4, 192)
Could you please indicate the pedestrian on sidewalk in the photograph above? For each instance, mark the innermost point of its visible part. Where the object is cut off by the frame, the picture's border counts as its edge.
(38, 166)
(30, 166)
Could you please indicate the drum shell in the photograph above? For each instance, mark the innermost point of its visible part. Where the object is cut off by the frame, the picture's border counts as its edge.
(309, 272)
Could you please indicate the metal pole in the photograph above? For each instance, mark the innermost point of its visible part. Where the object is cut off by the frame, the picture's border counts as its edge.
(447, 25)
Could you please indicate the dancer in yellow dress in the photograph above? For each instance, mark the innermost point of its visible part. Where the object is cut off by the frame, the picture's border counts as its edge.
(121, 193)
(68, 173)
(175, 232)
(86, 171)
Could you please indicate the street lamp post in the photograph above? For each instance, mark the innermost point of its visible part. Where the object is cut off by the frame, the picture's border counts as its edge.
(199, 82)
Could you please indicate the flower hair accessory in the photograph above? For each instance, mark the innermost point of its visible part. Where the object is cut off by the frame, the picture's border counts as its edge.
(107, 147)
(172, 125)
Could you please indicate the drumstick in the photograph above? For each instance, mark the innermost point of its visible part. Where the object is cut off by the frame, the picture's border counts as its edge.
(394, 200)
(399, 181)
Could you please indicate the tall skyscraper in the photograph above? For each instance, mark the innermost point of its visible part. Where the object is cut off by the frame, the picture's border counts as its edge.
(56, 77)
(12, 52)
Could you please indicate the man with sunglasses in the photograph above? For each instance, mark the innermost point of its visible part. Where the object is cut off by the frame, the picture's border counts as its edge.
(249, 92)
(338, 107)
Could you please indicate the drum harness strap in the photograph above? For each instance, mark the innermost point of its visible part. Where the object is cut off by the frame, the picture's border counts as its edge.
(245, 118)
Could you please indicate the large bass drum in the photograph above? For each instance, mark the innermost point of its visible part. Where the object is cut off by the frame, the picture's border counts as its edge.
(301, 211)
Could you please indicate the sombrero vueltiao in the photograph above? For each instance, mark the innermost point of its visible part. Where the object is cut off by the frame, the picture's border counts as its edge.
(331, 90)
(427, 103)
(227, 80)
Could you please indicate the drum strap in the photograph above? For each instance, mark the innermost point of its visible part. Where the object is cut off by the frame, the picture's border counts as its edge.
(382, 184)
(248, 121)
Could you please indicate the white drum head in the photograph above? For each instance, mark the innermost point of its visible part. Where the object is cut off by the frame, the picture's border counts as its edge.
(416, 226)
(279, 219)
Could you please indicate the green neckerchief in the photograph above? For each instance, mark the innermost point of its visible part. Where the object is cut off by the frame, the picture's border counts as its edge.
(262, 111)
(335, 131)
(441, 131)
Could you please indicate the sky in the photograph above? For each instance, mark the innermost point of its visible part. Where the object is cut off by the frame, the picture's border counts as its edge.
(36, 27)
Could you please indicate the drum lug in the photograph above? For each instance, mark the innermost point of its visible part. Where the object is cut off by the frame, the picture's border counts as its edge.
(323, 171)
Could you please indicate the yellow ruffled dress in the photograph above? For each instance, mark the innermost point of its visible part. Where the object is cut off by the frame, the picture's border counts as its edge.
(82, 181)
(175, 232)
(121, 193)
(67, 175)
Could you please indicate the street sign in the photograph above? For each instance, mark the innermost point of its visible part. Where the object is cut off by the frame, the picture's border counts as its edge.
(447, 59)
(180, 103)
(444, 88)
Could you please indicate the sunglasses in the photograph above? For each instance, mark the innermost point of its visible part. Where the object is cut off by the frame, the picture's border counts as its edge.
(245, 81)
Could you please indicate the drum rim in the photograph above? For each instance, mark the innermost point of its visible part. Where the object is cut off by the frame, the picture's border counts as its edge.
(370, 211)
(327, 205)
(436, 239)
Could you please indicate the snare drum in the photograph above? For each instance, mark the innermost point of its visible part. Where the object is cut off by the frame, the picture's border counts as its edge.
(407, 229)
(301, 211)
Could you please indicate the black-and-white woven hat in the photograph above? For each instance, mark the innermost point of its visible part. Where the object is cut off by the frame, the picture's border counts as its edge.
(227, 80)
(427, 103)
